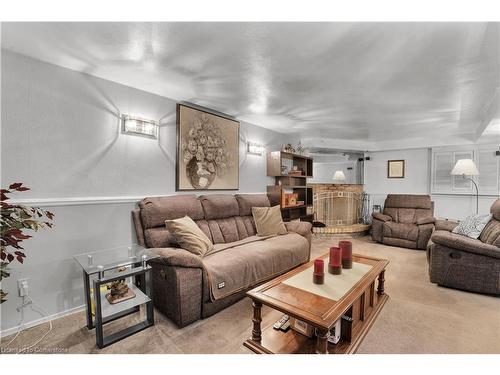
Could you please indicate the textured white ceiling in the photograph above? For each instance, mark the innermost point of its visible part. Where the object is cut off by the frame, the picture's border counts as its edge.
(359, 86)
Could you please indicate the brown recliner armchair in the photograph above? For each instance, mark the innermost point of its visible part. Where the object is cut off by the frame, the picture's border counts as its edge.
(407, 221)
(460, 262)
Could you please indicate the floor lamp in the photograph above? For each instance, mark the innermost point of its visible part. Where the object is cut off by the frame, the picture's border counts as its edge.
(466, 167)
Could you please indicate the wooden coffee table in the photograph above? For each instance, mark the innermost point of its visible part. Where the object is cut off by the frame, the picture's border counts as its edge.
(357, 308)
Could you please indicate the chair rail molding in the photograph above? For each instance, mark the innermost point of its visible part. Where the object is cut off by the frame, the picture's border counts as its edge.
(81, 201)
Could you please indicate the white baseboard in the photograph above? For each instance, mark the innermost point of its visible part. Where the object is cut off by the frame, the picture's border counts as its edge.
(36, 322)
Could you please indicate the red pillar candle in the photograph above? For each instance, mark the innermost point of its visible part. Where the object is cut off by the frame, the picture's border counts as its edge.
(335, 265)
(346, 247)
(319, 271)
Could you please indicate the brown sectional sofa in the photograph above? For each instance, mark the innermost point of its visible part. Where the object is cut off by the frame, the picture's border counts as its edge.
(407, 221)
(461, 262)
(187, 287)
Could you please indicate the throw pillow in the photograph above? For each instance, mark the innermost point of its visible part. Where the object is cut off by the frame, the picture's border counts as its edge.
(189, 236)
(472, 226)
(268, 221)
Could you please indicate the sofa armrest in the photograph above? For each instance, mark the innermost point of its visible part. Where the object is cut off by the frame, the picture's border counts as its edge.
(381, 217)
(463, 243)
(301, 227)
(446, 225)
(424, 235)
(426, 220)
(172, 256)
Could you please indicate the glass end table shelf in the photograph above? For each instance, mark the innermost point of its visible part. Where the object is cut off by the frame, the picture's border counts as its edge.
(101, 267)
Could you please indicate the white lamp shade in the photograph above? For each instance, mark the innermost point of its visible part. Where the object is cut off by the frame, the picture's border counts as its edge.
(339, 175)
(465, 167)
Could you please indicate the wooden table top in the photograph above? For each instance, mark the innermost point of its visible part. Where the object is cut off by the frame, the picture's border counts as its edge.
(311, 308)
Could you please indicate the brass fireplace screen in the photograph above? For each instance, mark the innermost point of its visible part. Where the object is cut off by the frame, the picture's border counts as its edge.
(334, 208)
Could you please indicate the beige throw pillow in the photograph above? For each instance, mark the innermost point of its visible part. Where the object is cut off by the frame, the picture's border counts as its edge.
(268, 221)
(189, 236)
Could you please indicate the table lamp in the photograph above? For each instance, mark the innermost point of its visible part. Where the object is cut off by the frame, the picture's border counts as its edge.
(339, 176)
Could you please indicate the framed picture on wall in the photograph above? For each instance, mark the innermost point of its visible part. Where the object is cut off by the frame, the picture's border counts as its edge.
(395, 169)
(207, 150)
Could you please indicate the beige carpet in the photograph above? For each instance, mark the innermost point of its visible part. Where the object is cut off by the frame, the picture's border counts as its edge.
(419, 317)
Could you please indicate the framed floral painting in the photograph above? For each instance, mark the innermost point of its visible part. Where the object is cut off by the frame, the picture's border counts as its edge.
(207, 150)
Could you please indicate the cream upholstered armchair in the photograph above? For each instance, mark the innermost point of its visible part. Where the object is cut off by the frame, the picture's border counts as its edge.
(407, 221)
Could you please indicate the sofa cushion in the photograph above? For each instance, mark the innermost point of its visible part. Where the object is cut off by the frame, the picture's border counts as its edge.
(491, 233)
(219, 206)
(408, 201)
(406, 215)
(189, 236)
(472, 226)
(403, 231)
(251, 261)
(247, 201)
(268, 220)
(380, 216)
(155, 210)
(159, 237)
(224, 230)
(246, 226)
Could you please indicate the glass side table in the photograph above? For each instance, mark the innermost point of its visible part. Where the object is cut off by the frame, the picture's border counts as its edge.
(100, 268)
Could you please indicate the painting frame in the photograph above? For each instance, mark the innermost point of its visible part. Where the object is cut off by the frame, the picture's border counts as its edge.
(395, 169)
(180, 178)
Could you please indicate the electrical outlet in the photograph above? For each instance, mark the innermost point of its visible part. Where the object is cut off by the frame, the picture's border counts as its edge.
(22, 287)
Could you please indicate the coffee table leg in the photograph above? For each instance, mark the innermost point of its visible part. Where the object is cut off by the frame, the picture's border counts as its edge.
(381, 280)
(257, 319)
(321, 341)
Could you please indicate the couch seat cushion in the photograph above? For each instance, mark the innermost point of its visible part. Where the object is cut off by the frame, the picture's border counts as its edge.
(250, 262)
(403, 231)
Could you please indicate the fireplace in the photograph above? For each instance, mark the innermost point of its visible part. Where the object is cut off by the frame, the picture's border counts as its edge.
(340, 208)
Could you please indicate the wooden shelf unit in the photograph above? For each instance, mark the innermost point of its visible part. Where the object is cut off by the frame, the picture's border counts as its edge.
(286, 183)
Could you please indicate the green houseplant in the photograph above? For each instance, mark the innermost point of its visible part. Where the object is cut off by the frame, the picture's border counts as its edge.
(15, 219)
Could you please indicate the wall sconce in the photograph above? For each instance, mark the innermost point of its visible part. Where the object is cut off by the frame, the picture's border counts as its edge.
(139, 126)
(255, 148)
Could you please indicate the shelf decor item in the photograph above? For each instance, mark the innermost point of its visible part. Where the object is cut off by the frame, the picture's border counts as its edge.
(300, 148)
(207, 150)
(346, 248)
(319, 271)
(290, 172)
(119, 290)
(335, 262)
(289, 148)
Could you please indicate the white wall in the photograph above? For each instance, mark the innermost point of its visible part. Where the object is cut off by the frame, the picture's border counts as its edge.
(323, 172)
(60, 136)
(416, 181)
